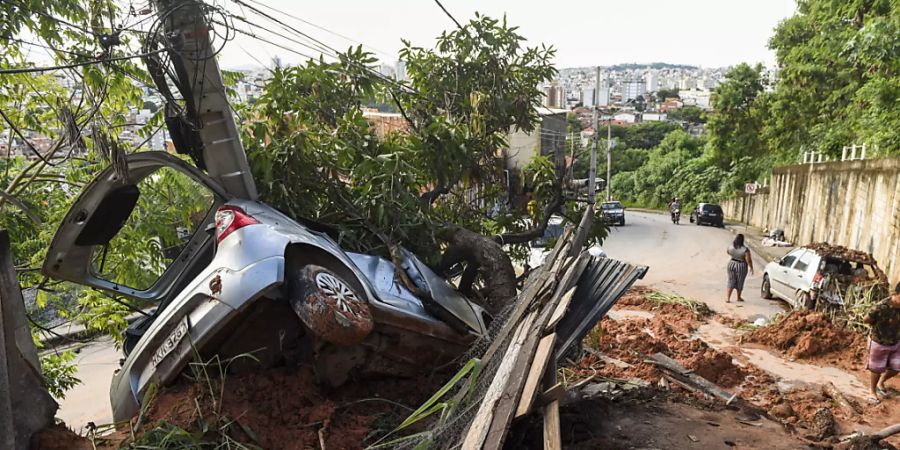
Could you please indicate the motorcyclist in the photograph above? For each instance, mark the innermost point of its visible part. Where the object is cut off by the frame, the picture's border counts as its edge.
(673, 205)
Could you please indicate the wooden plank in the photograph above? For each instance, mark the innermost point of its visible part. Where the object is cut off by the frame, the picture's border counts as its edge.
(552, 435)
(555, 392)
(477, 431)
(696, 382)
(560, 310)
(536, 373)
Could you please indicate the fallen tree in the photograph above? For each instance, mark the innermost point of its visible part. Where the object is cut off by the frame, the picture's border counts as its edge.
(436, 185)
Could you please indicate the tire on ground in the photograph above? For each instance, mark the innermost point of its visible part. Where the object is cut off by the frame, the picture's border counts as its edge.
(329, 306)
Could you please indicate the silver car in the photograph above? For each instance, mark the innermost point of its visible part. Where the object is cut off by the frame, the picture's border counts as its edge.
(229, 277)
(822, 274)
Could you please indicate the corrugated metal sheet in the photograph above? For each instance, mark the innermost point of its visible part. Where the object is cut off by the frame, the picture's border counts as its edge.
(600, 285)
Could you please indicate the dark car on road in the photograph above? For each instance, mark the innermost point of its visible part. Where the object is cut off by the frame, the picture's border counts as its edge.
(708, 213)
(613, 212)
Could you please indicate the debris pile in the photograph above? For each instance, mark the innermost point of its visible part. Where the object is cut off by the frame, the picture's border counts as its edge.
(620, 348)
(811, 335)
(286, 408)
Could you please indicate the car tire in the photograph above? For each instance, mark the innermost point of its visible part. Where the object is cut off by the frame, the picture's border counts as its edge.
(329, 306)
(804, 301)
(622, 222)
(765, 290)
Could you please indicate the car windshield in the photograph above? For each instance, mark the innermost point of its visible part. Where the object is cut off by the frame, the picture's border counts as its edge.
(611, 205)
(712, 208)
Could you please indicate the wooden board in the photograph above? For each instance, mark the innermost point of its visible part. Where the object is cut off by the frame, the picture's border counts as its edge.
(560, 310)
(552, 437)
(536, 373)
(479, 428)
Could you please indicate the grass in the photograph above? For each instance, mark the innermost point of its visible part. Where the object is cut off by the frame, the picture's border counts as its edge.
(212, 430)
(698, 308)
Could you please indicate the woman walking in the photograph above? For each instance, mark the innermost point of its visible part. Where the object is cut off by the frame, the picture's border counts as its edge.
(737, 267)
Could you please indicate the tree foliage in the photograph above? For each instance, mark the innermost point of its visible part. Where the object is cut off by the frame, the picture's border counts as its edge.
(838, 80)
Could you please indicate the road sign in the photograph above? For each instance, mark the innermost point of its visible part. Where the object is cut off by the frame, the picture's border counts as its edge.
(750, 188)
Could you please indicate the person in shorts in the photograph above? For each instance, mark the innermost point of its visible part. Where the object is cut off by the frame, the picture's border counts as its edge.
(884, 344)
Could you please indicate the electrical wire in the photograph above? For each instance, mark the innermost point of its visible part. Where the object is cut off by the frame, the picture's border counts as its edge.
(16, 70)
(335, 33)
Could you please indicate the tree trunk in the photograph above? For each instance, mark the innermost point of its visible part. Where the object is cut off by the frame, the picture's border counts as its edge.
(483, 254)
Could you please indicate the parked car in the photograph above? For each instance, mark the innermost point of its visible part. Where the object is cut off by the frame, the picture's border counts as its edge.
(708, 213)
(231, 277)
(542, 246)
(823, 275)
(612, 212)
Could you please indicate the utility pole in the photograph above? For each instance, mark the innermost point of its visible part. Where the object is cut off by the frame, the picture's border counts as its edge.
(608, 158)
(210, 121)
(587, 220)
(592, 180)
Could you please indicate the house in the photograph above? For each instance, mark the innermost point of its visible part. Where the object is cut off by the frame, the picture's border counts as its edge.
(547, 139)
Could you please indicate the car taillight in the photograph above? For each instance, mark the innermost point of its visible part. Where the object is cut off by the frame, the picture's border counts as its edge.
(230, 218)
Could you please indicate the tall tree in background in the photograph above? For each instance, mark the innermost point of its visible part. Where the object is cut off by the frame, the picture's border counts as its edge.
(735, 131)
(839, 78)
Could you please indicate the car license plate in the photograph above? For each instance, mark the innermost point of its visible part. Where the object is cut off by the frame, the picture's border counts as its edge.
(176, 336)
(713, 214)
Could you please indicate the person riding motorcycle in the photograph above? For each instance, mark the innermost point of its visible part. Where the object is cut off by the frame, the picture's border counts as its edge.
(673, 206)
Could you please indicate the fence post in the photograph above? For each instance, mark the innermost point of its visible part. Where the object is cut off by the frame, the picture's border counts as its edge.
(25, 405)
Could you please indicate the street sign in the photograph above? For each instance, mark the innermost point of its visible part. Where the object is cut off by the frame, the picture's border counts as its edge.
(750, 188)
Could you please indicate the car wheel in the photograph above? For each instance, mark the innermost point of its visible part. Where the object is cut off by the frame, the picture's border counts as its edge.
(622, 222)
(766, 289)
(805, 301)
(329, 306)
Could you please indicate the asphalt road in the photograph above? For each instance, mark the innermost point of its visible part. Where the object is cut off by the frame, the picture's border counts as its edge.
(89, 401)
(684, 259)
(688, 260)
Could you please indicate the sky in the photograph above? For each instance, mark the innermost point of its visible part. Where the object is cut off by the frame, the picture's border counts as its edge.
(707, 33)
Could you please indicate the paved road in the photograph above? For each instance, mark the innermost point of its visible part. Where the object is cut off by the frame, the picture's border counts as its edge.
(89, 401)
(687, 260)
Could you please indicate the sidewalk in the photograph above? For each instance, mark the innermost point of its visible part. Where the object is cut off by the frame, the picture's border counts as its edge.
(753, 238)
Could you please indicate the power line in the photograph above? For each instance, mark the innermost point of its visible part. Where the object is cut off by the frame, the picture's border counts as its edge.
(448, 14)
(335, 33)
(74, 65)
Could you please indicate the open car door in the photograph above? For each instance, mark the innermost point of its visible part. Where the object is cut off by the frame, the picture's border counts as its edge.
(141, 234)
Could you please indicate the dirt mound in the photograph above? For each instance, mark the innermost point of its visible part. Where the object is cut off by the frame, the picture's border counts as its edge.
(286, 408)
(632, 341)
(806, 334)
(58, 437)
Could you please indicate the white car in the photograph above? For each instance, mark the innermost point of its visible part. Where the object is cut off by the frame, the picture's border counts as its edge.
(820, 272)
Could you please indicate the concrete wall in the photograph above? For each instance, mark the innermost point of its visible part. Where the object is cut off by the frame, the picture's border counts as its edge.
(851, 203)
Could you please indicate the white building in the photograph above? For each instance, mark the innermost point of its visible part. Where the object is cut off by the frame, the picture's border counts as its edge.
(401, 70)
(603, 95)
(696, 97)
(555, 96)
(633, 88)
(652, 82)
(686, 83)
(625, 117)
(653, 117)
(587, 97)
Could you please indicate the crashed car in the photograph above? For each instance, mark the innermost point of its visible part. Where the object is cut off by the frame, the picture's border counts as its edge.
(823, 275)
(230, 277)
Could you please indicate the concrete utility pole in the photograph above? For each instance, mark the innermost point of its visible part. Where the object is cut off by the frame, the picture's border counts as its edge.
(195, 61)
(587, 220)
(608, 158)
(592, 180)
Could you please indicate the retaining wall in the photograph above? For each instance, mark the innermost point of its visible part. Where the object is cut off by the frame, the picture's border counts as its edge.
(851, 203)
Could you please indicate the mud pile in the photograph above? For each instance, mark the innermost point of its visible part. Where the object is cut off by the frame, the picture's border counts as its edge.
(811, 335)
(286, 408)
(632, 341)
(58, 437)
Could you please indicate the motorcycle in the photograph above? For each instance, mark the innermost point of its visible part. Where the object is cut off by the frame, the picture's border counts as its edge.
(676, 215)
